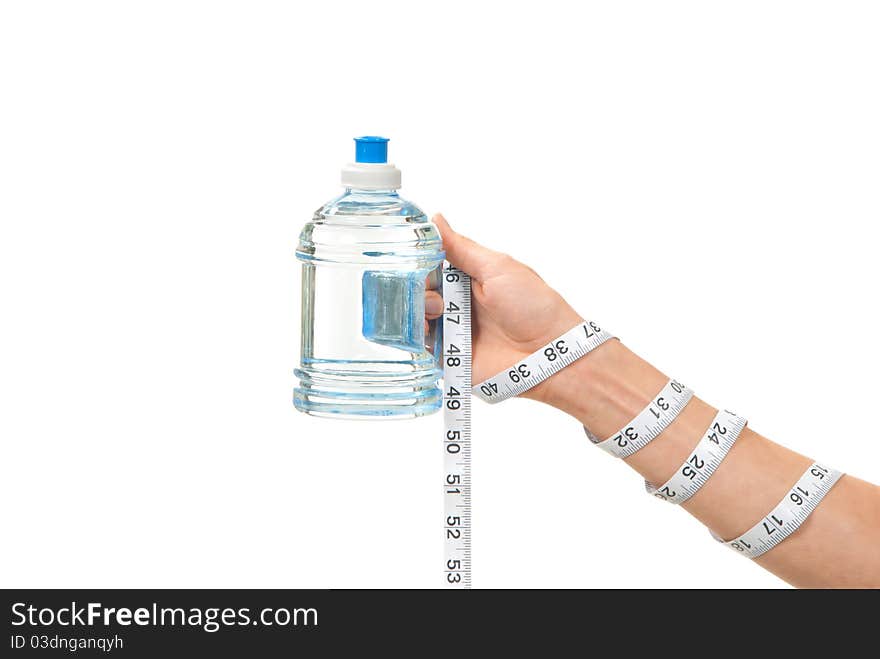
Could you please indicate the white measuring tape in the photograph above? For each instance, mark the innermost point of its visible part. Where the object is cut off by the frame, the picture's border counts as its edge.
(544, 362)
(716, 442)
(788, 515)
(457, 426)
(703, 461)
(712, 448)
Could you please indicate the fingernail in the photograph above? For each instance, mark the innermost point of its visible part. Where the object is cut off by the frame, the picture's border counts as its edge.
(434, 305)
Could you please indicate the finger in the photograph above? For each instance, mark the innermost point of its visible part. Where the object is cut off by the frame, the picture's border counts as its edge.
(464, 253)
(433, 305)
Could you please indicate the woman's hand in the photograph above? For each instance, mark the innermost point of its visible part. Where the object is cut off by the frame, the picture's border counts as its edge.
(514, 311)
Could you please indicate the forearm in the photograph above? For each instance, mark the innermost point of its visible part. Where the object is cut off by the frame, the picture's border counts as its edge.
(838, 545)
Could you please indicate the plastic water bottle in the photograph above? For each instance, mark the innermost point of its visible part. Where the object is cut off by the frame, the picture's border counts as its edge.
(367, 258)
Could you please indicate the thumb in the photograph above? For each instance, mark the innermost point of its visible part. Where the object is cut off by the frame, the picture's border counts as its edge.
(464, 253)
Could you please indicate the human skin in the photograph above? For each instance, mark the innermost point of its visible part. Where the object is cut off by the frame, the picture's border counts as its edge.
(515, 312)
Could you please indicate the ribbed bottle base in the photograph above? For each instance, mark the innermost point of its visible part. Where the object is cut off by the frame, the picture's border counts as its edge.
(366, 397)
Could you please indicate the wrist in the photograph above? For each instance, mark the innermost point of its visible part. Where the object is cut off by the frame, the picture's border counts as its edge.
(604, 389)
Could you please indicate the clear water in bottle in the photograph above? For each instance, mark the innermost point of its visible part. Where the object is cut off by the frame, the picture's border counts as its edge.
(367, 258)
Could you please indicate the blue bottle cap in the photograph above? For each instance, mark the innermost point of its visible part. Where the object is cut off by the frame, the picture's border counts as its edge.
(371, 149)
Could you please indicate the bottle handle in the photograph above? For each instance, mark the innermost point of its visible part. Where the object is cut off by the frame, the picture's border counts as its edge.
(394, 308)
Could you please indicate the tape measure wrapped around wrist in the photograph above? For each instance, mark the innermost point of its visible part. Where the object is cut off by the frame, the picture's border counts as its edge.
(548, 360)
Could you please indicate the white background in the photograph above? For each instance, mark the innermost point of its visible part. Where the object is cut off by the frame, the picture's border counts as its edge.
(701, 177)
